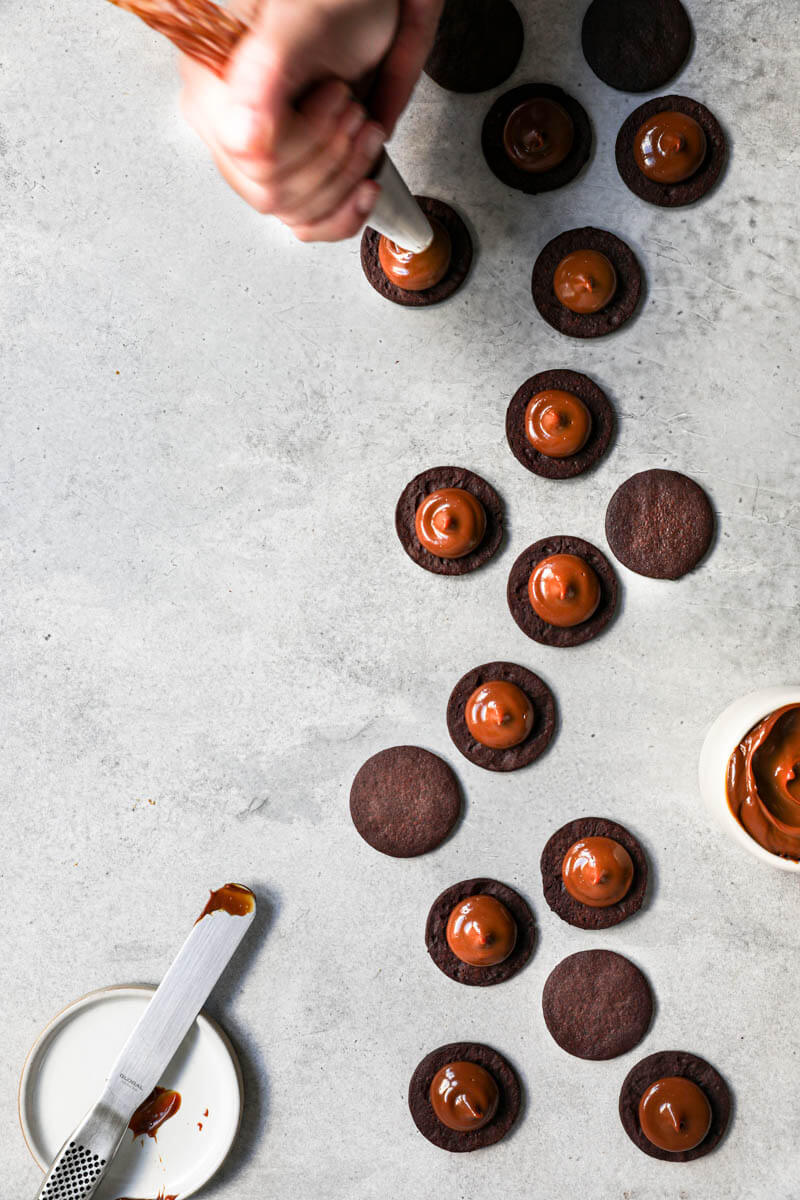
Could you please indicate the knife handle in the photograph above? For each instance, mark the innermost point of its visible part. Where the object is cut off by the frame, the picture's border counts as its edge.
(83, 1160)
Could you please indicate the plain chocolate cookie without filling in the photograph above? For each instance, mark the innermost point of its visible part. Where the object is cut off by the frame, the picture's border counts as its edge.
(530, 622)
(636, 45)
(671, 195)
(477, 46)
(600, 410)
(664, 1064)
(597, 1004)
(533, 182)
(405, 801)
(431, 481)
(455, 1140)
(460, 259)
(659, 523)
(622, 304)
(544, 717)
(583, 916)
(439, 948)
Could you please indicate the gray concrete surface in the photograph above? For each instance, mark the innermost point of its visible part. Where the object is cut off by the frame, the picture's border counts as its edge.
(208, 623)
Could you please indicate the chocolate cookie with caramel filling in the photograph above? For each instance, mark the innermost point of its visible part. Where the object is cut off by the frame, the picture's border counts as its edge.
(442, 268)
(536, 423)
(576, 889)
(648, 1094)
(597, 1004)
(449, 520)
(660, 523)
(670, 151)
(478, 1112)
(636, 45)
(477, 45)
(557, 600)
(586, 282)
(480, 932)
(536, 138)
(501, 716)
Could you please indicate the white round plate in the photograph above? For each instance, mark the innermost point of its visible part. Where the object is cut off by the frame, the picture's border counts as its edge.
(722, 737)
(64, 1074)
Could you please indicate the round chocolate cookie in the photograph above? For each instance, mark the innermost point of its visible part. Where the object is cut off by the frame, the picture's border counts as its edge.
(671, 195)
(544, 717)
(405, 801)
(597, 1004)
(566, 906)
(460, 260)
(659, 523)
(636, 45)
(596, 401)
(462, 972)
(662, 1065)
(477, 46)
(621, 306)
(431, 481)
(530, 622)
(495, 154)
(456, 1140)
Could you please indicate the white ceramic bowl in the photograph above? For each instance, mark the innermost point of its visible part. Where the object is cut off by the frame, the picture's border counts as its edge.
(724, 734)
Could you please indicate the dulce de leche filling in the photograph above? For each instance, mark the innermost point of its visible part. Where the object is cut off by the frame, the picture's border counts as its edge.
(585, 281)
(464, 1096)
(538, 134)
(481, 931)
(499, 714)
(597, 871)
(763, 782)
(674, 1114)
(563, 590)
(450, 522)
(669, 147)
(557, 423)
(417, 272)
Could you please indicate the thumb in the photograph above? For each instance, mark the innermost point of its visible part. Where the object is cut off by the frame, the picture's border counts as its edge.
(265, 75)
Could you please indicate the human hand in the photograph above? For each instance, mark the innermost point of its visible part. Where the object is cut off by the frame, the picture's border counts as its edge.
(307, 161)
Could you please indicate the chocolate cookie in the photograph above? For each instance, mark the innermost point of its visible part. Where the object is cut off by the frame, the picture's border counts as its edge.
(530, 622)
(405, 801)
(671, 195)
(596, 401)
(567, 907)
(597, 1004)
(636, 45)
(455, 1140)
(664, 1064)
(446, 960)
(623, 303)
(477, 45)
(533, 182)
(659, 523)
(537, 741)
(460, 260)
(448, 477)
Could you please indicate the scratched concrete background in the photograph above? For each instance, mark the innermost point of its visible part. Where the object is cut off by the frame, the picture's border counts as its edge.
(208, 622)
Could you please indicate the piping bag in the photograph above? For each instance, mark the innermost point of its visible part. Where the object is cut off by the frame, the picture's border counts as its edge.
(209, 33)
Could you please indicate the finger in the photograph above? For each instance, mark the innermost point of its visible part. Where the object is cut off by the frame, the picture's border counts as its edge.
(403, 64)
(323, 196)
(256, 195)
(346, 221)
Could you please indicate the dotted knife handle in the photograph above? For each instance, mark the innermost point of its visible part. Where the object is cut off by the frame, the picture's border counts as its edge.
(74, 1175)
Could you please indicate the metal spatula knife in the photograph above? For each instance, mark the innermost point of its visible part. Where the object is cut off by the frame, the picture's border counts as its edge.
(86, 1155)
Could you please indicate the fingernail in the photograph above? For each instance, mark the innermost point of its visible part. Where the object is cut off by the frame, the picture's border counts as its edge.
(366, 196)
(240, 126)
(341, 100)
(354, 122)
(373, 140)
